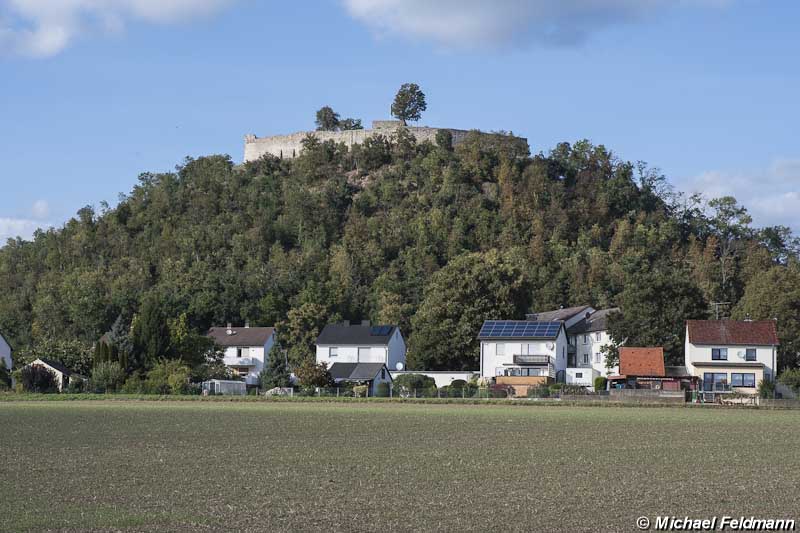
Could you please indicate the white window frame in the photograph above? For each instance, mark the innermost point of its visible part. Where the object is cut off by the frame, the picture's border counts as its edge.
(598, 336)
(585, 339)
(500, 349)
(333, 351)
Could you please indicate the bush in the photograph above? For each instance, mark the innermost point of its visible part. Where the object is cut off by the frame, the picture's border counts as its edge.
(107, 376)
(36, 378)
(76, 386)
(382, 390)
(167, 377)
(791, 378)
(501, 391)
(600, 383)
(134, 384)
(311, 374)
(409, 384)
(360, 391)
(766, 389)
(5, 376)
(539, 391)
(568, 388)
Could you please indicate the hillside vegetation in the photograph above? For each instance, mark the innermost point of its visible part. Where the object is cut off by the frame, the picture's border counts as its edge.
(432, 238)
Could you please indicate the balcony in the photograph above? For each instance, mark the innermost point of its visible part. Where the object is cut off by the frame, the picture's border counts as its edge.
(241, 361)
(532, 359)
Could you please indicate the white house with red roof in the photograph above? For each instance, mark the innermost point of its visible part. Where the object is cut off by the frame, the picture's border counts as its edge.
(731, 355)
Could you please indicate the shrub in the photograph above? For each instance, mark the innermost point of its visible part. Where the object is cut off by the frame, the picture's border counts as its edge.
(600, 383)
(360, 391)
(539, 391)
(501, 391)
(569, 388)
(36, 378)
(791, 378)
(168, 376)
(107, 376)
(311, 374)
(410, 384)
(382, 390)
(5, 376)
(76, 386)
(766, 389)
(134, 384)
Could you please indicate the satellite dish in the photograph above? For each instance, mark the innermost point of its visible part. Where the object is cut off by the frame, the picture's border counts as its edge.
(229, 331)
(740, 353)
(399, 366)
(550, 345)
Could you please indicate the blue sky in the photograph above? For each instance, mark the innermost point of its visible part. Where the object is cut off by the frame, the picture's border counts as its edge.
(91, 96)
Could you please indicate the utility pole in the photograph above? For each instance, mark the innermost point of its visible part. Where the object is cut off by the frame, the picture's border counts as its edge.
(718, 307)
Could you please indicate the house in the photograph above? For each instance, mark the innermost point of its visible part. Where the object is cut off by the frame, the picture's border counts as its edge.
(370, 374)
(643, 368)
(361, 343)
(587, 334)
(5, 352)
(731, 355)
(523, 353)
(246, 349)
(64, 376)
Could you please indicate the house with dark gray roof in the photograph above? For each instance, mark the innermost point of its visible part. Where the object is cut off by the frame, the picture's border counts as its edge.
(370, 374)
(246, 350)
(361, 343)
(63, 375)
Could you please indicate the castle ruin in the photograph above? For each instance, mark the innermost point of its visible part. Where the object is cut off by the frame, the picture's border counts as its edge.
(289, 146)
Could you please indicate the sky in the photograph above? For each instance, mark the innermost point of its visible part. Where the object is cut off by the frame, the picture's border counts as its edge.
(95, 92)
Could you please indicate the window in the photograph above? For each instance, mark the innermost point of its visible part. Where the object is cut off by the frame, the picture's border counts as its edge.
(597, 358)
(586, 339)
(586, 359)
(719, 354)
(714, 381)
(743, 380)
(500, 349)
(598, 336)
(334, 351)
(383, 373)
(238, 352)
(578, 375)
(750, 354)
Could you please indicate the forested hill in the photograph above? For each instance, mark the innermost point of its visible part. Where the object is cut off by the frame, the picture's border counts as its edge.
(432, 238)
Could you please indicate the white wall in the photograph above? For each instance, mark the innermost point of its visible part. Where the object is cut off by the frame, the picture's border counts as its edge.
(767, 355)
(397, 350)
(491, 361)
(253, 357)
(581, 376)
(5, 353)
(592, 348)
(442, 378)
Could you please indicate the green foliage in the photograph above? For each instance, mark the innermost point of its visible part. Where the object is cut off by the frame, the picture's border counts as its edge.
(600, 383)
(470, 289)
(107, 376)
(382, 390)
(409, 103)
(350, 124)
(168, 376)
(766, 389)
(412, 382)
(444, 140)
(151, 332)
(298, 333)
(5, 375)
(791, 378)
(36, 378)
(311, 374)
(360, 391)
(275, 373)
(72, 353)
(327, 119)
(539, 391)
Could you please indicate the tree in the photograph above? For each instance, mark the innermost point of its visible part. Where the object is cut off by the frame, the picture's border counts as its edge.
(151, 331)
(409, 103)
(5, 376)
(298, 333)
(327, 119)
(468, 290)
(311, 374)
(275, 373)
(107, 376)
(655, 305)
(775, 294)
(351, 124)
(36, 378)
(730, 223)
(444, 140)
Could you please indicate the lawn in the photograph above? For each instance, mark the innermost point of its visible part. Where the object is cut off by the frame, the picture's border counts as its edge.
(208, 466)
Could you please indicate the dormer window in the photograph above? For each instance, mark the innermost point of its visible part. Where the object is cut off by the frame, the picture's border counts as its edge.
(719, 354)
(334, 351)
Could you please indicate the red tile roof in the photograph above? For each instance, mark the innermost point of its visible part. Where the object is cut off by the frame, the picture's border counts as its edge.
(743, 332)
(641, 362)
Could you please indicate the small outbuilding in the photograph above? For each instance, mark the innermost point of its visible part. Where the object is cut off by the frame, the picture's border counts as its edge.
(643, 368)
(224, 387)
(63, 375)
(370, 374)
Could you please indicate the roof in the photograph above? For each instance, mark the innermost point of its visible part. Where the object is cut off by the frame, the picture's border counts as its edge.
(520, 329)
(240, 336)
(597, 321)
(641, 361)
(356, 334)
(740, 332)
(677, 372)
(57, 365)
(356, 371)
(559, 314)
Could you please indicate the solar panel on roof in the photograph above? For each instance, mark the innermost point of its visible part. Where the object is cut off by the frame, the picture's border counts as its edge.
(518, 329)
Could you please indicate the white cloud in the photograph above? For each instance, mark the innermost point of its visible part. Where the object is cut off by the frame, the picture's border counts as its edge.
(771, 195)
(17, 227)
(468, 23)
(40, 209)
(42, 28)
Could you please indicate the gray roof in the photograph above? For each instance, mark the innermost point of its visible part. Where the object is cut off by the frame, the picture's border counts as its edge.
(597, 321)
(240, 336)
(356, 371)
(677, 372)
(59, 366)
(558, 314)
(361, 334)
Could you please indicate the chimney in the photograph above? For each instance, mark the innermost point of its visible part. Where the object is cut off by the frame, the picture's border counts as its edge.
(246, 324)
(365, 322)
(229, 329)
(748, 319)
